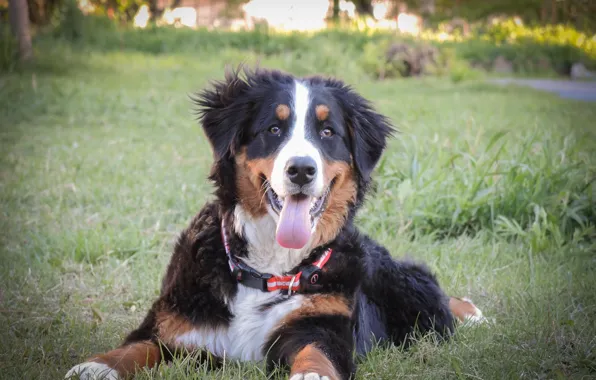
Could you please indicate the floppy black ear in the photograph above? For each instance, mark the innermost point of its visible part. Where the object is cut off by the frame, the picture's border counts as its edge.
(369, 129)
(222, 112)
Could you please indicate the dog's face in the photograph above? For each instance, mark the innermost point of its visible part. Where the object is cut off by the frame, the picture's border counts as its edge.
(300, 150)
(297, 150)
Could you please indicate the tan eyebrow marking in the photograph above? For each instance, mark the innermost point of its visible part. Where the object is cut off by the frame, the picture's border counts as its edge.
(322, 112)
(282, 111)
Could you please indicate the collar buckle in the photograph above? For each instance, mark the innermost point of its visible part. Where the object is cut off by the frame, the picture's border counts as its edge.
(249, 277)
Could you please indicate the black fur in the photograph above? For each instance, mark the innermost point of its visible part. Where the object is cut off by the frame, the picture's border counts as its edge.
(388, 299)
(368, 129)
(417, 302)
(331, 333)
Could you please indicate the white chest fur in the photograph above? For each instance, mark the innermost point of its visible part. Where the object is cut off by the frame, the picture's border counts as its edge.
(250, 327)
(243, 339)
(264, 253)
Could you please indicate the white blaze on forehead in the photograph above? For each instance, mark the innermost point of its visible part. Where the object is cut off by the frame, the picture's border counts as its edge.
(301, 103)
(298, 144)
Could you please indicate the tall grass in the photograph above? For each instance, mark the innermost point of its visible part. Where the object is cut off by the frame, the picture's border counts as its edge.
(450, 190)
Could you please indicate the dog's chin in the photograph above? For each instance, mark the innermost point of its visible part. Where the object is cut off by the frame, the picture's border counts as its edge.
(296, 215)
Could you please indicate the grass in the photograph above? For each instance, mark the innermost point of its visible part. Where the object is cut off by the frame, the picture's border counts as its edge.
(102, 164)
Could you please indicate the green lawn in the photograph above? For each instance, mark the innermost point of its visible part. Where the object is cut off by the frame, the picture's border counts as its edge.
(102, 163)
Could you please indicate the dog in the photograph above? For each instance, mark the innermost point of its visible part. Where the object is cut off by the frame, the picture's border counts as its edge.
(274, 268)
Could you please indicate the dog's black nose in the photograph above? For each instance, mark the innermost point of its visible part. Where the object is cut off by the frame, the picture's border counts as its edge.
(301, 170)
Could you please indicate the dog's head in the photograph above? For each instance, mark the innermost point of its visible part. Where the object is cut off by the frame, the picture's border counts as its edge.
(299, 150)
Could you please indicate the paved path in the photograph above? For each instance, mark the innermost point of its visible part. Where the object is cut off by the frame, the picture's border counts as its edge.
(569, 89)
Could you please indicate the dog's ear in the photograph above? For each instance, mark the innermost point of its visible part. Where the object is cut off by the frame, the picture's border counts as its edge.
(223, 112)
(368, 129)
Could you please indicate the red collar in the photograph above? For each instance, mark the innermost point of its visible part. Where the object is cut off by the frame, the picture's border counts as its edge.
(308, 276)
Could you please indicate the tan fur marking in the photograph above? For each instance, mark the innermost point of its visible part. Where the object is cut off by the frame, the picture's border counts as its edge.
(462, 308)
(249, 184)
(128, 358)
(170, 326)
(311, 359)
(338, 204)
(322, 112)
(321, 304)
(282, 112)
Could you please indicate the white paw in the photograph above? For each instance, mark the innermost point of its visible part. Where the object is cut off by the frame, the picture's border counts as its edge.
(475, 316)
(308, 376)
(466, 312)
(472, 320)
(92, 371)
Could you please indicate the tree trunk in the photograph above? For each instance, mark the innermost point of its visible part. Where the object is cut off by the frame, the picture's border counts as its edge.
(335, 10)
(154, 11)
(363, 7)
(19, 24)
(544, 12)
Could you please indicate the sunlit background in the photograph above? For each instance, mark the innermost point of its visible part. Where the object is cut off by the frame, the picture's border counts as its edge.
(288, 15)
(393, 38)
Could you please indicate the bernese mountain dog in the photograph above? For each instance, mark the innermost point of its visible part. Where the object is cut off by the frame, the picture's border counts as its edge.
(274, 268)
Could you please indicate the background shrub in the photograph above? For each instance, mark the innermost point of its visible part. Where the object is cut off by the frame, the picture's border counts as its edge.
(8, 49)
(363, 53)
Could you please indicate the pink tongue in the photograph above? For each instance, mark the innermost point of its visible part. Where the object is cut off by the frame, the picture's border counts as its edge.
(294, 228)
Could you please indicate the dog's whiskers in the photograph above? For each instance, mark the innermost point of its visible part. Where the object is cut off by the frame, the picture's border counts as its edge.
(264, 188)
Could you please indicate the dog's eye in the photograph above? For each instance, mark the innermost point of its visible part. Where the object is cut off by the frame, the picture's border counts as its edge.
(327, 132)
(275, 130)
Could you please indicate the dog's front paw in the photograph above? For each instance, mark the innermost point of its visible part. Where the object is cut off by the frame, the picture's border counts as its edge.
(308, 376)
(92, 371)
(465, 311)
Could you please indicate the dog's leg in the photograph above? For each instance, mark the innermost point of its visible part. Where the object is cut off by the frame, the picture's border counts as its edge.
(404, 298)
(140, 349)
(311, 363)
(176, 336)
(119, 363)
(316, 340)
(465, 311)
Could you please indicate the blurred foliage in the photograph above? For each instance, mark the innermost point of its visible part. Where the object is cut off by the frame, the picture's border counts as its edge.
(120, 10)
(510, 32)
(8, 49)
(42, 11)
(461, 52)
(528, 47)
(579, 13)
(362, 52)
(69, 21)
